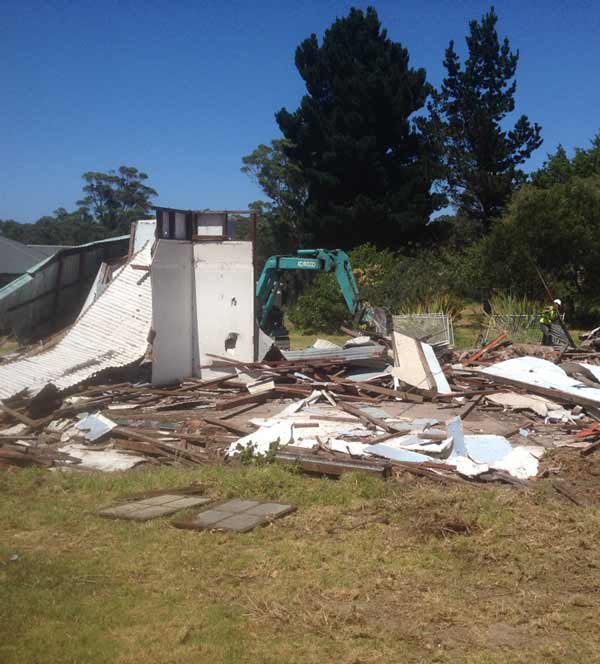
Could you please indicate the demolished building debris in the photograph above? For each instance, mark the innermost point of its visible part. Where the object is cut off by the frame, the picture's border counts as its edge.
(179, 316)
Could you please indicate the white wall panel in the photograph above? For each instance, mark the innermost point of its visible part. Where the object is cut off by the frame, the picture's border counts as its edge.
(224, 302)
(172, 303)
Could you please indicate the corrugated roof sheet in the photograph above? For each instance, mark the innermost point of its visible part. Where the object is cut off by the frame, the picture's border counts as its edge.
(346, 354)
(113, 332)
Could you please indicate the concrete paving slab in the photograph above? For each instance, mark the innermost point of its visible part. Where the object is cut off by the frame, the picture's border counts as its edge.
(240, 523)
(154, 507)
(209, 518)
(238, 505)
(182, 502)
(119, 511)
(159, 500)
(269, 509)
(236, 515)
(147, 513)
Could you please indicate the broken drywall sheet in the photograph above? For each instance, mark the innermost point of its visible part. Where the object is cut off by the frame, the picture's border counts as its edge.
(107, 460)
(396, 454)
(473, 455)
(416, 364)
(537, 404)
(542, 373)
(487, 448)
(95, 427)
(441, 382)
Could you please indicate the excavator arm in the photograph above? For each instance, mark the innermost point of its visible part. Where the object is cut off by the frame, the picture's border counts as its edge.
(314, 260)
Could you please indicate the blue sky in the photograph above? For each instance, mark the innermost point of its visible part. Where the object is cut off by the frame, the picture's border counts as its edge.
(182, 90)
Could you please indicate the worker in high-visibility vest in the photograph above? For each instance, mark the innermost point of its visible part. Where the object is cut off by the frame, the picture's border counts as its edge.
(549, 317)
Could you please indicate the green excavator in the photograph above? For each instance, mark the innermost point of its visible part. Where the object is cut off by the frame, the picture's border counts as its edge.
(269, 287)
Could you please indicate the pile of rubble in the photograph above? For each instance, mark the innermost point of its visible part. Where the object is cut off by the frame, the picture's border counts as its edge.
(385, 406)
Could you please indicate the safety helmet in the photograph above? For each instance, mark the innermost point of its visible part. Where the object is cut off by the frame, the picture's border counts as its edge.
(557, 301)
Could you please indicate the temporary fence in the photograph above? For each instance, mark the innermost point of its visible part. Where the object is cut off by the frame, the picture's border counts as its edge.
(435, 329)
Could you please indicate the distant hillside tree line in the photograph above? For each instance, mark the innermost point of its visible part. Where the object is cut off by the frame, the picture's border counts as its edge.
(110, 203)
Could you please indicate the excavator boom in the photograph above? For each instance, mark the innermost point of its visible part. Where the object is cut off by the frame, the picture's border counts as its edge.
(269, 285)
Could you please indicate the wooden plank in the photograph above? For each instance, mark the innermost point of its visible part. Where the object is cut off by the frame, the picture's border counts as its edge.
(367, 418)
(335, 467)
(566, 490)
(227, 404)
(376, 389)
(470, 406)
(591, 448)
(235, 428)
(482, 351)
(238, 411)
(21, 417)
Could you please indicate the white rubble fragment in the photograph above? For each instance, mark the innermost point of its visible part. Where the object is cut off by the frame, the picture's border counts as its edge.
(519, 463)
(107, 460)
(487, 448)
(324, 344)
(95, 427)
(466, 466)
(359, 341)
(537, 404)
(279, 432)
(347, 447)
(259, 386)
(15, 429)
(538, 372)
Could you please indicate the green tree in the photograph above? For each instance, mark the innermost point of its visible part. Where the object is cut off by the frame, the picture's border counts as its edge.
(60, 228)
(368, 169)
(467, 115)
(556, 228)
(116, 198)
(111, 203)
(558, 168)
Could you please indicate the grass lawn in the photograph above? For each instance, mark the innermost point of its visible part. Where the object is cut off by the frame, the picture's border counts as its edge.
(7, 345)
(365, 571)
(299, 340)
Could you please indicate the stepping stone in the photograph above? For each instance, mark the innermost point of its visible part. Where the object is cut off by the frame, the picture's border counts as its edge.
(236, 515)
(153, 507)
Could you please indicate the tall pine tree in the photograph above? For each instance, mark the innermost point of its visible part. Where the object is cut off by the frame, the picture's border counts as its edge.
(481, 158)
(368, 169)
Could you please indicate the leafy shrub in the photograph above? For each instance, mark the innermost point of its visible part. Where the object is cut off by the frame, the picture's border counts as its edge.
(507, 304)
(433, 303)
(321, 308)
